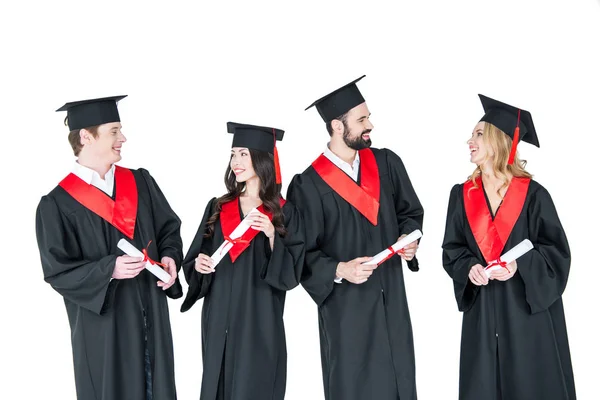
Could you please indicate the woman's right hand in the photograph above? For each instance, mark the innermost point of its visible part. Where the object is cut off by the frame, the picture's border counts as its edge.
(477, 275)
(204, 264)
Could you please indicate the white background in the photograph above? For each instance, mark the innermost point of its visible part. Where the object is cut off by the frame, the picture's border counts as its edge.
(190, 68)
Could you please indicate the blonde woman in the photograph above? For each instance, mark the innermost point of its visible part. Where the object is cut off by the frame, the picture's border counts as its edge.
(514, 340)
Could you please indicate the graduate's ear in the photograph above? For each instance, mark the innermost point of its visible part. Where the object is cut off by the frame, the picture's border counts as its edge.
(337, 127)
(85, 136)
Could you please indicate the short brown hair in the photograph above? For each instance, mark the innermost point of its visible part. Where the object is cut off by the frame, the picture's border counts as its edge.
(75, 138)
(343, 118)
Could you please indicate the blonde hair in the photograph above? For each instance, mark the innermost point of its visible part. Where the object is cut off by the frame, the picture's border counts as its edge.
(500, 144)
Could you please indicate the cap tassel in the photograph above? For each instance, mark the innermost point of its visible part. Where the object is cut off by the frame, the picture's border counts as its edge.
(276, 160)
(513, 150)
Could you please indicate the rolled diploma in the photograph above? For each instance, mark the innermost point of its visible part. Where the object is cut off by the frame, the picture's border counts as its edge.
(399, 245)
(510, 255)
(156, 270)
(226, 246)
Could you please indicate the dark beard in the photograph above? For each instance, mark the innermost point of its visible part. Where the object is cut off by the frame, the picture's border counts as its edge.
(358, 143)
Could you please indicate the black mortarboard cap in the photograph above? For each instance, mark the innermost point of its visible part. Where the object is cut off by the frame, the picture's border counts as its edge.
(86, 113)
(339, 101)
(257, 138)
(505, 117)
(254, 137)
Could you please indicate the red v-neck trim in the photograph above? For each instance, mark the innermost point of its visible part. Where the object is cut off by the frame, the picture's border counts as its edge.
(490, 234)
(230, 218)
(120, 212)
(363, 197)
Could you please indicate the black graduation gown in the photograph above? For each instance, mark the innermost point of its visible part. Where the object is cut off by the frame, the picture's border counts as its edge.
(242, 314)
(514, 336)
(365, 330)
(78, 252)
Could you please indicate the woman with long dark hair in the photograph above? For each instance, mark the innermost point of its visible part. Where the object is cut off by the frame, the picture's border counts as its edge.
(514, 337)
(243, 337)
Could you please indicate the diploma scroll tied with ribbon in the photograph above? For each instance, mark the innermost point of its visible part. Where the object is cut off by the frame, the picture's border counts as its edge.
(395, 248)
(232, 239)
(508, 257)
(151, 265)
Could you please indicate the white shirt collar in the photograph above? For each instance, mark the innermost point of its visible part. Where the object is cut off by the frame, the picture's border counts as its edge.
(91, 177)
(350, 170)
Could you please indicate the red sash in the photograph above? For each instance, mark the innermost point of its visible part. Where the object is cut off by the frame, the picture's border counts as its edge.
(230, 219)
(492, 235)
(121, 212)
(365, 198)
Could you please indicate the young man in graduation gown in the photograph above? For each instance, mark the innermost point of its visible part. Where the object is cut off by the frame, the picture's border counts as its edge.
(117, 310)
(356, 201)
(514, 338)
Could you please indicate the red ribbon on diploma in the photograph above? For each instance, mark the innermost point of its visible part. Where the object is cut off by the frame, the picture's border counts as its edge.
(392, 252)
(147, 257)
(234, 242)
(497, 262)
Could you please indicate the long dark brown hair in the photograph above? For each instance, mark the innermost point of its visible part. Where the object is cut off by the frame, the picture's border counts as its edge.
(269, 192)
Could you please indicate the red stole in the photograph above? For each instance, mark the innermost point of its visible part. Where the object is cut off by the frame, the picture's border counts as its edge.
(230, 219)
(365, 198)
(121, 212)
(492, 235)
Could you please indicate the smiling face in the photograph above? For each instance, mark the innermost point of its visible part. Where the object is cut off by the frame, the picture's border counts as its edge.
(478, 147)
(241, 164)
(358, 127)
(106, 145)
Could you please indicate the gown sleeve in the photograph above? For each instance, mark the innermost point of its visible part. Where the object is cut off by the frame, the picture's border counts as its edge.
(167, 227)
(319, 268)
(284, 264)
(544, 269)
(457, 258)
(80, 281)
(409, 212)
(199, 284)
